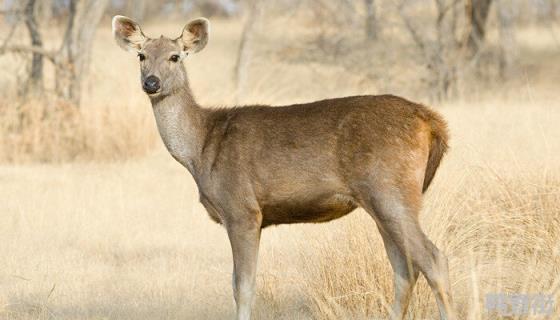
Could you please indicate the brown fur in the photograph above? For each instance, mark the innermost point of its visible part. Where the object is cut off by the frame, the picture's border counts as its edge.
(257, 166)
(303, 170)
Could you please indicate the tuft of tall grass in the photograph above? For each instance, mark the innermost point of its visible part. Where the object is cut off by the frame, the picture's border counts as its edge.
(55, 131)
(500, 234)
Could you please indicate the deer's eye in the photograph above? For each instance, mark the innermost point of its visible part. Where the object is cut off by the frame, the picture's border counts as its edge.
(141, 57)
(174, 58)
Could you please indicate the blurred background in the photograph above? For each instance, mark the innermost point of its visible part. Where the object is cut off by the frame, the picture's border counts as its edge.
(60, 53)
(98, 222)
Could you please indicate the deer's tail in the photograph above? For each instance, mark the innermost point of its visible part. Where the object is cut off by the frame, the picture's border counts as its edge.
(438, 145)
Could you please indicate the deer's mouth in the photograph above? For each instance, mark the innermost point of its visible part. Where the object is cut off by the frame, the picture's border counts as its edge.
(153, 94)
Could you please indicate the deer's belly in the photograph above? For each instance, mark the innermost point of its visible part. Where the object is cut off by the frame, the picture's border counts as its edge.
(314, 209)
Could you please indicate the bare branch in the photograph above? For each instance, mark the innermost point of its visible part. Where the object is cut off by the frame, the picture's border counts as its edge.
(244, 50)
(477, 13)
(371, 20)
(9, 36)
(50, 55)
(15, 12)
(35, 79)
(420, 43)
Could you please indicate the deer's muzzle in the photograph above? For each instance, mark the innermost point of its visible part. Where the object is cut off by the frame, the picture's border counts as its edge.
(151, 85)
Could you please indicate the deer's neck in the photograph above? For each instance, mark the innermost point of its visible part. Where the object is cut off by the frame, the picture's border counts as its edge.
(181, 123)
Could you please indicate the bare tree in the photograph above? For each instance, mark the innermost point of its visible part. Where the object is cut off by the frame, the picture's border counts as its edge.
(72, 57)
(75, 51)
(553, 9)
(35, 79)
(507, 37)
(439, 48)
(477, 14)
(371, 20)
(244, 50)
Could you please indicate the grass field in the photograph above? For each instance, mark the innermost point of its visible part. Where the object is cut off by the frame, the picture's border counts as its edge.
(128, 239)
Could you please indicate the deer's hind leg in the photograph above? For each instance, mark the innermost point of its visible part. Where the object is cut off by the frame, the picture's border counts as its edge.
(395, 206)
(404, 278)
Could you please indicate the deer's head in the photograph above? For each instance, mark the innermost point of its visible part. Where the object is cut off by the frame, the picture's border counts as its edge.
(161, 68)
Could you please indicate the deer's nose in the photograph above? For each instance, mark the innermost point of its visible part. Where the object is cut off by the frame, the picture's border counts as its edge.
(151, 84)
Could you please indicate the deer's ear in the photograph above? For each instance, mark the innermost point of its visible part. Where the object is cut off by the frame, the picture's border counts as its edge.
(128, 34)
(195, 35)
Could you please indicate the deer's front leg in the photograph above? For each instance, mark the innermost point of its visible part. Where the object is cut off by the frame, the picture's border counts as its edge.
(244, 236)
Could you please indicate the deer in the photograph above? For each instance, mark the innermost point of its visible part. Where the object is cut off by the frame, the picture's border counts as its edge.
(257, 166)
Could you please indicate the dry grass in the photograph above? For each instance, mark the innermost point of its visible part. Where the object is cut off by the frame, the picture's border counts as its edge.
(55, 131)
(129, 240)
(505, 240)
